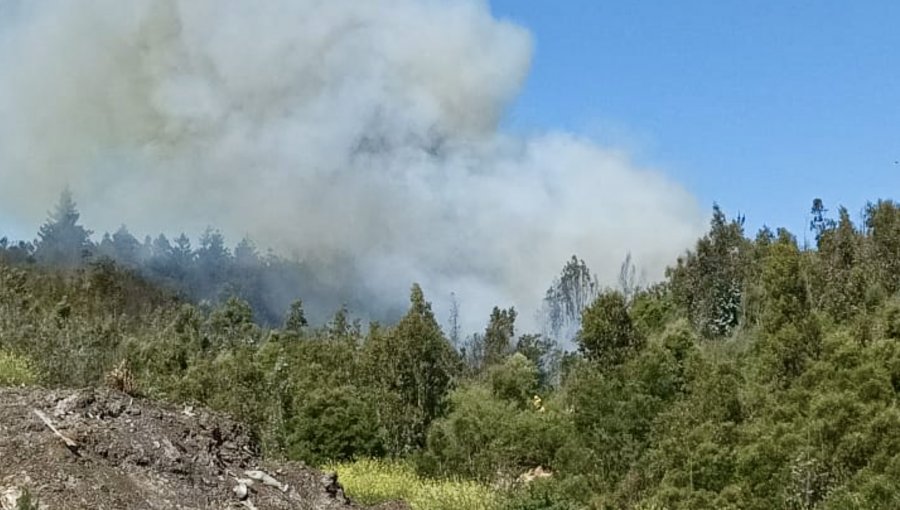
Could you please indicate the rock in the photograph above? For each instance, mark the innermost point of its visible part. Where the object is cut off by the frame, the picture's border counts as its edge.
(134, 453)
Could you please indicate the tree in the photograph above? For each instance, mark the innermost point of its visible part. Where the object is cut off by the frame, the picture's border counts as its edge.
(212, 261)
(182, 253)
(454, 320)
(413, 367)
(628, 282)
(820, 223)
(545, 354)
(126, 248)
(246, 254)
(515, 380)
(791, 334)
(607, 335)
(333, 424)
(708, 283)
(883, 229)
(296, 318)
(567, 298)
(843, 278)
(212, 252)
(61, 240)
(498, 337)
(232, 323)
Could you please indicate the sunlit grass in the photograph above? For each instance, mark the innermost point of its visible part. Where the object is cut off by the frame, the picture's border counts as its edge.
(15, 370)
(371, 482)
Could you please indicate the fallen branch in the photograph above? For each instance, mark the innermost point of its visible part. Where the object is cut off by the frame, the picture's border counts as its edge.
(71, 444)
(266, 479)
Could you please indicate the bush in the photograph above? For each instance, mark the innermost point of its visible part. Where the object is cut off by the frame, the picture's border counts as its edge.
(515, 380)
(15, 370)
(371, 482)
(27, 501)
(490, 439)
(549, 494)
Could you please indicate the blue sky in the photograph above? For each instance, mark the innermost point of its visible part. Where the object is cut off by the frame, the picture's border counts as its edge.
(758, 105)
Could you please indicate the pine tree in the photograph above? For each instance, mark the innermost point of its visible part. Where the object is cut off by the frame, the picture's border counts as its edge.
(296, 318)
(61, 240)
(126, 248)
(245, 253)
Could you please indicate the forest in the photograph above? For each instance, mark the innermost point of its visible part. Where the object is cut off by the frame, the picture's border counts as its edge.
(760, 373)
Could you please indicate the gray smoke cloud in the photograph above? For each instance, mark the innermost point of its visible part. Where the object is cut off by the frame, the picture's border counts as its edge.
(367, 129)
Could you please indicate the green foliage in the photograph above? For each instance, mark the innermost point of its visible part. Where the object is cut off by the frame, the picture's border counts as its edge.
(882, 220)
(15, 370)
(296, 318)
(484, 437)
(27, 501)
(516, 380)
(651, 309)
(840, 279)
(708, 283)
(498, 337)
(334, 424)
(412, 368)
(547, 494)
(607, 334)
(790, 332)
(761, 374)
(892, 320)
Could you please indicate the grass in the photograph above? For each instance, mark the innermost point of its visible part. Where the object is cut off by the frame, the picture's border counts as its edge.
(371, 482)
(15, 370)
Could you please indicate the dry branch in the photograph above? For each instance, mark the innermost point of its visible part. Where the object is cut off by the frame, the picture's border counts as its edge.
(71, 444)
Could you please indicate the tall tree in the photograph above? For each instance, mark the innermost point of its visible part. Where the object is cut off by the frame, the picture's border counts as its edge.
(246, 254)
(819, 222)
(61, 240)
(883, 229)
(296, 321)
(568, 296)
(126, 248)
(791, 334)
(413, 367)
(499, 335)
(213, 262)
(708, 283)
(842, 278)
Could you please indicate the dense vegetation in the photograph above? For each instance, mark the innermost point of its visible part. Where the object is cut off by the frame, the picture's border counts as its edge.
(205, 271)
(760, 374)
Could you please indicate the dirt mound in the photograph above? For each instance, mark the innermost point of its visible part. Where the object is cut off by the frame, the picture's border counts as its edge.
(125, 452)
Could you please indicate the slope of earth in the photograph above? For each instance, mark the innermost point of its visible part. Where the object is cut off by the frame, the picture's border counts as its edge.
(112, 451)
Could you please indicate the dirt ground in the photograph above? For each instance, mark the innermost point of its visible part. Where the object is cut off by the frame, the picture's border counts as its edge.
(128, 453)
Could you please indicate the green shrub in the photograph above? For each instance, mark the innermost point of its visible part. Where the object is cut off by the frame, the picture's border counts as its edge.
(371, 482)
(548, 494)
(27, 501)
(15, 370)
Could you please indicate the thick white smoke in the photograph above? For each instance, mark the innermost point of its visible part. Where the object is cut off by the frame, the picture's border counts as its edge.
(365, 128)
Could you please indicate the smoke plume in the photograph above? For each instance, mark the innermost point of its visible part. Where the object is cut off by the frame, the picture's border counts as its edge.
(323, 128)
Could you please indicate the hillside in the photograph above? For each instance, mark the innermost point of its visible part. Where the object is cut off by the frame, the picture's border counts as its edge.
(133, 454)
(761, 373)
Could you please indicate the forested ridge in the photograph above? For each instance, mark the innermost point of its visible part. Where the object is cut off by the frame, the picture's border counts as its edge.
(761, 373)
